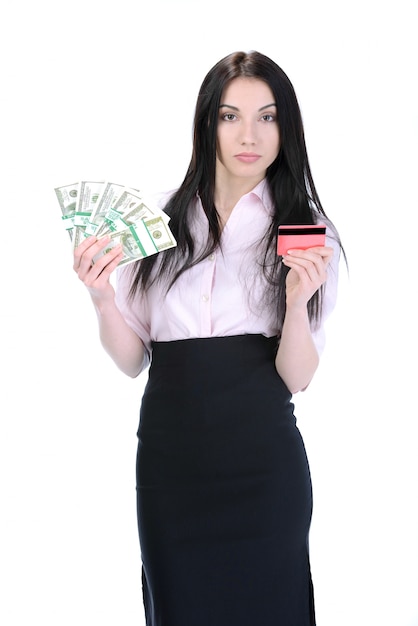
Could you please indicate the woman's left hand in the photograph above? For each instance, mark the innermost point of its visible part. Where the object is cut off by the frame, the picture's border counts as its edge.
(308, 271)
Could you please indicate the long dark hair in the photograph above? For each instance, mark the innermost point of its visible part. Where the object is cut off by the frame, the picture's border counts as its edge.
(289, 179)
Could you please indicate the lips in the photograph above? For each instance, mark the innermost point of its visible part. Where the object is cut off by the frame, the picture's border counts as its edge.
(247, 157)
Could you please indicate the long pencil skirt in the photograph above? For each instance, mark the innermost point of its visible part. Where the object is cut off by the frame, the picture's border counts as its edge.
(223, 488)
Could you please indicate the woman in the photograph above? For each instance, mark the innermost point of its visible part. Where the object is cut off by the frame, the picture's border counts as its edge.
(231, 331)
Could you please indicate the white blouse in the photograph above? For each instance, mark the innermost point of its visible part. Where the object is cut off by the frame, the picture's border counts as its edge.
(222, 295)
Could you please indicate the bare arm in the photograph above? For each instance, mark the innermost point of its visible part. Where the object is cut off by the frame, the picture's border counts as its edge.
(297, 358)
(118, 339)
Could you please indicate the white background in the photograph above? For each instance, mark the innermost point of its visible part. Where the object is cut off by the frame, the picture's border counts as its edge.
(95, 89)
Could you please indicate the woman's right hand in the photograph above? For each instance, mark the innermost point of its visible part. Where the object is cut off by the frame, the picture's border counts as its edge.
(117, 337)
(96, 274)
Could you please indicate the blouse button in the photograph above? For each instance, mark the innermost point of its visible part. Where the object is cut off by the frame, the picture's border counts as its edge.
(212, 257)
(205, 298)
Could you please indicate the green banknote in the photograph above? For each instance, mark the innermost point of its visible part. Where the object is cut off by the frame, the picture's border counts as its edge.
(102, 208)
(67, 199)
(141, 239)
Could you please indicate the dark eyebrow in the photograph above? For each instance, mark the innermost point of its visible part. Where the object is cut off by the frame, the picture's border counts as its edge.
(230, 106)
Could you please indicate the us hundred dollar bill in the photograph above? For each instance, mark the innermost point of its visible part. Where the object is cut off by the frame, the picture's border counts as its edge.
(116, 222)
(158, 229)
(108, 198)
(117, 211)
(67, 198)
(140, 240)
(128, 201)
(79, 234)
(88, 195)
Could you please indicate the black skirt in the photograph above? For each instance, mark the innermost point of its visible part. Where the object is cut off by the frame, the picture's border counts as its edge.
(223, 488)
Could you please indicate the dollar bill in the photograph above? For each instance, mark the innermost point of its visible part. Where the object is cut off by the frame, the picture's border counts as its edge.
(79, 234)
(116, 222)
(109, 196)
(126, 203)
(88, 195)
(123, 216)
(67, 198)
(160, 233)
(140, 240)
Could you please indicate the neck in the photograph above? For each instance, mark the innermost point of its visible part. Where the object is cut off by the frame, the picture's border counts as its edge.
(227, 194)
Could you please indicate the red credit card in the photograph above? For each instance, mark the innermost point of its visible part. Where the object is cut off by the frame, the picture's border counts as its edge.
(300, 237)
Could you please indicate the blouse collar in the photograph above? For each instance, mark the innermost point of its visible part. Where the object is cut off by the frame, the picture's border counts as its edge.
(262, 192)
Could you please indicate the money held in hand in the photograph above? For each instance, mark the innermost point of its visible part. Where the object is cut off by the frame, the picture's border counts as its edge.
(102, 208)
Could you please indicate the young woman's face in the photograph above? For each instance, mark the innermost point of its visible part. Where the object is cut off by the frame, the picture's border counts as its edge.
(248, 139)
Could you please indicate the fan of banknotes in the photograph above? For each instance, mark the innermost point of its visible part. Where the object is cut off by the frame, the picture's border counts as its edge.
(121, 213)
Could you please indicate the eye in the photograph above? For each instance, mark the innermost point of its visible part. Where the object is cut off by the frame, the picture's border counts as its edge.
(268, 117)
(229, 117)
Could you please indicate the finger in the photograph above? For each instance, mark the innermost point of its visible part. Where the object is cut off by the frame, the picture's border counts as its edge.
(80, 250)
(110, 267)
(322, 251)
(304, 257)
(320, 256)
(311, 267)
(308, 273)
(98, 278)
(326, 252)
(86, 251)
(103, 266)
(107, 260)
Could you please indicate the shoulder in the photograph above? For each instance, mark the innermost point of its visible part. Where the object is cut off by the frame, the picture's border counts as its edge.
(158, 199)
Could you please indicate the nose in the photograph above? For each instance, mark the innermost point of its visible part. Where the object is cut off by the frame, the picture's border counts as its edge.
(247, 132)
